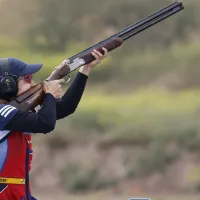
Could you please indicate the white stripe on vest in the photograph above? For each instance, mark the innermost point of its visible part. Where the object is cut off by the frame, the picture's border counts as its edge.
(6, 110)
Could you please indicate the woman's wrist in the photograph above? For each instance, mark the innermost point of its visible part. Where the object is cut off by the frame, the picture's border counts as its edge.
(85, 70)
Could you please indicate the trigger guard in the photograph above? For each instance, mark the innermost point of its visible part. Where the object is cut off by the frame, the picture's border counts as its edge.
(69, 78)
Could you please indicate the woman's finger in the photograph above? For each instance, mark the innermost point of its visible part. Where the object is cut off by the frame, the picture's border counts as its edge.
(96, 56)
(98, 53)
(61, 81)
(105, 52)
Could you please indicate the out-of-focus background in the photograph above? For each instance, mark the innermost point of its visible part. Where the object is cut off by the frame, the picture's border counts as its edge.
(136, 132)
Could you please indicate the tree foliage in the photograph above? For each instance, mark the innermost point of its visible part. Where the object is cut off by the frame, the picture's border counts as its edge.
(53, 24)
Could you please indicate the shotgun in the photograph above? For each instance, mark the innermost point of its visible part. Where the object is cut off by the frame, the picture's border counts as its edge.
(32, 98)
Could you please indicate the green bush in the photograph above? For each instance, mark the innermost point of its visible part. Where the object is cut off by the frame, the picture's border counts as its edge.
(145, 117)
(156, 158)
(87, 120)
(193, 178)
(77, 178)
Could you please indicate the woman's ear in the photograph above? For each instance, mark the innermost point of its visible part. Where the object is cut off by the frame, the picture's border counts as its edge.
(28, 78)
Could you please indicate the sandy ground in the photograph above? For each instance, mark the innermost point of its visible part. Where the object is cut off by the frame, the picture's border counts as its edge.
(104, 196)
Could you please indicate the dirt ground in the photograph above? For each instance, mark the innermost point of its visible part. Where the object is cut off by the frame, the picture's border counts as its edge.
(106, 196)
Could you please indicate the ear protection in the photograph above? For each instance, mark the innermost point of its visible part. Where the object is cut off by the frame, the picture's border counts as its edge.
(8, 82)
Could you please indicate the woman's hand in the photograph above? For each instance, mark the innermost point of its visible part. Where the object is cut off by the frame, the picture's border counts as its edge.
(54, 88)
(99, 57)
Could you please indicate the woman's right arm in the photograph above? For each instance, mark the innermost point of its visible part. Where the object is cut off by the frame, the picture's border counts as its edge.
(42, 122)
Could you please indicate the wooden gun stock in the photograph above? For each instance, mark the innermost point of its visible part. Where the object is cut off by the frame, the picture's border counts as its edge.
(30, 99)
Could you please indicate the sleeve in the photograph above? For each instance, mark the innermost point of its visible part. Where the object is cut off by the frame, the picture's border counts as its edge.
(7, 112)
(70, 100)
(42, 122)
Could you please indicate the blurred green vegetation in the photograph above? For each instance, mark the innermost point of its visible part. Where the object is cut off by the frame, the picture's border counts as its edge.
(162, 124)
(79, 178)
(137, 118)
(173, 69)
(166, 55)
(145, 95)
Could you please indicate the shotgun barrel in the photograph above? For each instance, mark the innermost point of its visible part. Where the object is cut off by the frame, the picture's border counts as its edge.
(136, 28)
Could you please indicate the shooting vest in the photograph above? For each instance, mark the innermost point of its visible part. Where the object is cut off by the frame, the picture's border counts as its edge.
(15, 170)
(14, 173)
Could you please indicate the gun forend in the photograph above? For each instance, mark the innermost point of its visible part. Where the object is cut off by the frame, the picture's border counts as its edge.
(113, 44)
